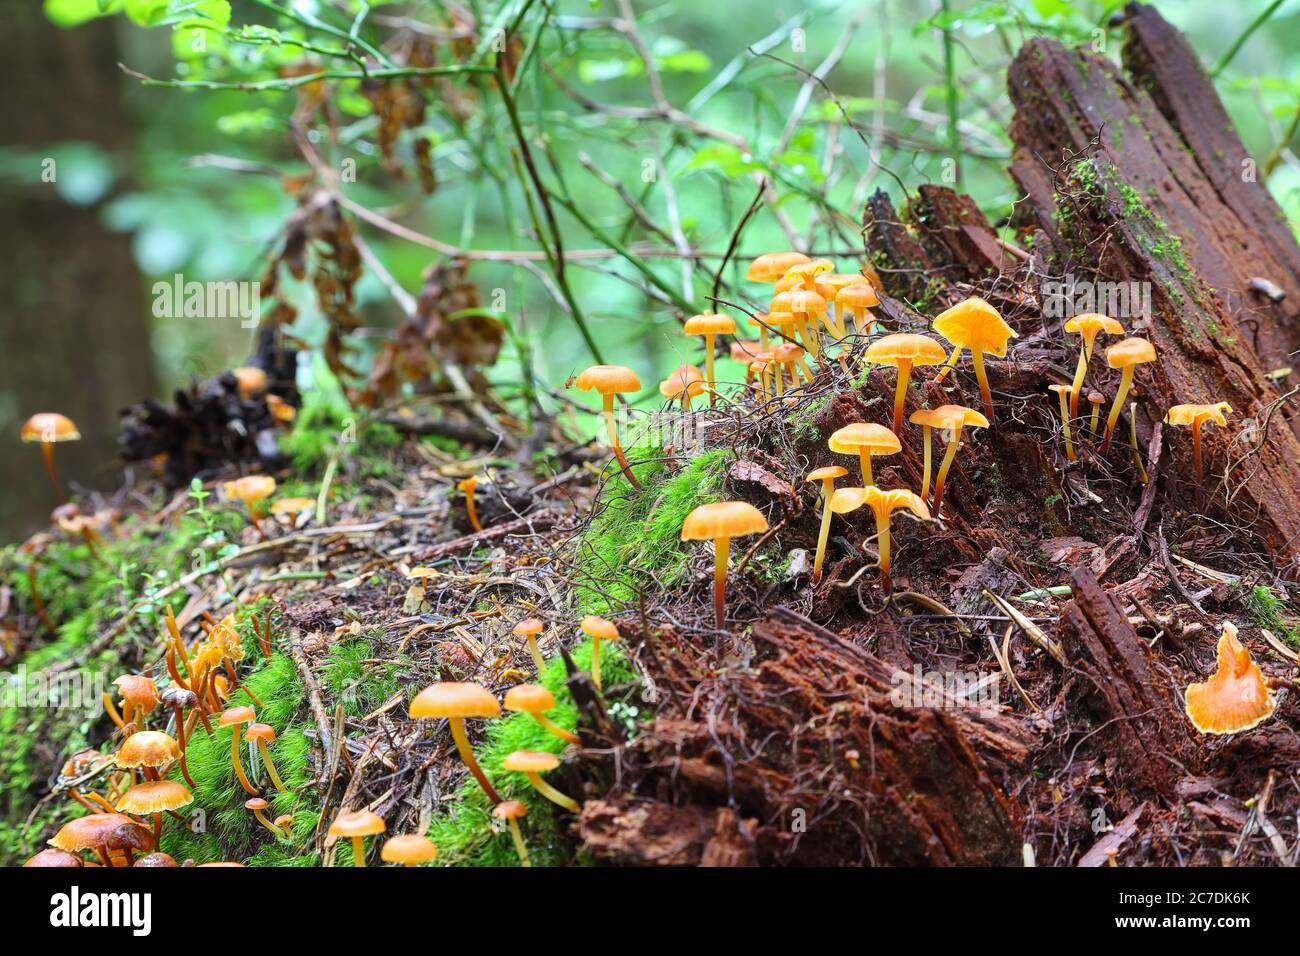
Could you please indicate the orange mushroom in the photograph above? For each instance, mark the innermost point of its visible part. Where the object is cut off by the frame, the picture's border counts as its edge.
(1196, 416)
(683, 383)
(974, 324)
(1125, 355)
(1062, 395)
(258, 806)
(356, 825)
(611, 380)
(710, 325)
(533, 763)
(719, 522)
(529, 628)
(250, 381)
(865, 439)
(50, 428)
(789, 356)
(455, 702)
(468, 485)
(828, 286)
(251, 490)
(598, 629)
(826, 476)
(512, 811)
(535, 700)
(154, 798)
(903, 350)
(232, 718)
(882, 504)
(772, 266)
(952, 419)
(262, 735)
(1096, 400)
(1236, 697)
(409, 849)
(1089, 325)
(806, 306)
(856, 300)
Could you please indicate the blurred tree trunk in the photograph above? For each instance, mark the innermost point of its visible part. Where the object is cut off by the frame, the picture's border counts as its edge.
(74, 330)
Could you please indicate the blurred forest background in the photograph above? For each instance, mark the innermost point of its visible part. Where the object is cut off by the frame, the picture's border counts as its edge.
(656, 136)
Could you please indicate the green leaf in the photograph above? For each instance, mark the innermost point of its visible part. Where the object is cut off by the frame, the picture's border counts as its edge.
(147, 13)
(69, 13)
(723, 158)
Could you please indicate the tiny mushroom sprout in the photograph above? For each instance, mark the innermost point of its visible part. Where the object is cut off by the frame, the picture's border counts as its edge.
(232, 718)
(1126, 355)
(409, 849)
(154, 798)
(1096, 399)
(952, 419)
(903, 350)
(611, 380)
(826, 476)
(1088, 325)
(471, 509)
(139, 696)
(1196, 416)
(511, 811)
(1236, 697)
(356, 825)
(147, 750)
(598, 629)
(258, 805)
(856, 300)
(710, 325)
(536, 700)
(455, 702)
(528, 629)
(719, 522)
(865, 439)
(682, 384)
(882, 505)
(50, 428)
(533, 763)
(263, 734)
(1062, 396)
(974, 324)
(251, 490)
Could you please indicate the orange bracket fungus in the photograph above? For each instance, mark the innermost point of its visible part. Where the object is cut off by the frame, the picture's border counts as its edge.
(882, 504)
(511, 811)
(154, 798)
(903, 350)
(952, 419)
(356, 825)
(1196, 416)
(598, 629)
(1088, 325)
(528, 629)
(536, 700)
(611, 380)
(1125, 355)
(455, 702)
(1062, 395)
(232, 718)
(468, 486)
(409, 849)
(50, 428)
(1236, 697)
(974, 324)
(864, 439)
(710, 325)
(719, 522)
(533, 763)
(261, 735)
(826, 476)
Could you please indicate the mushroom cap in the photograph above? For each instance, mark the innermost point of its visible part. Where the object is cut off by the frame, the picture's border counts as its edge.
(510, 810)
(881, 502)
(529, 698)
(138, 691)
(250, 379)
(780, 306)
(467, 484)
(292, 506)
(828, 286)
(250, 488)
(826, 473)
(1133, 351)
(256, 731)
(147, 748)
(357, 823)
(283, 820)
(423, 573)
(608, 380)
(54, 858)
(710, 323)
(787, 352)
(280, 410)
(452, 699)
(1191, 414)
(859, 295)
(905, 346)
(1060, 389)
(976, 325)
(158, 859)
(49, 427)
(804, 301)
(222, 863)
(1097, 398)
(129, 836)
(256, 803)
(408, 848)
(949, 417)
(178, 697)
(723, 519)
(86, 833)
(155, 796)
(235, 716)
(1235, 698)
(529, 626)
(771, 266)
(746, 350)
(530, 761)
(864, 436)
(684, 378)
(594, 626)
(224, 637)
(1090, 324)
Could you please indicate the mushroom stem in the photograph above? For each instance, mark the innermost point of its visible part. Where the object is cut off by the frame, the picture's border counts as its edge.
(1092, 424)
(270, 766)
(948, 457)
(467, 755)
(520, 848)
(1080, 371)
(977, 355)
(882, 547)
(472, 511)
(611, 427)
(900, 392)
(824, 534)
(358, 851)
(1125, 380)
(925, 468)
(550, 793)
(722, 551)
(536, 651)
(112, 710)
(47, 450)
(595, 662)
(37, 603)
(1065, 426)
(1133, 440)
(709, 349)
(236, 763)
(157, 828)
(261, 818)
(180, 742)
(864, 461)
(806, 335)
(949, 365)
(556, 729)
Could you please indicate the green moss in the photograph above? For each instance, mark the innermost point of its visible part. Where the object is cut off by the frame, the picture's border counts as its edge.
(1266, 609)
